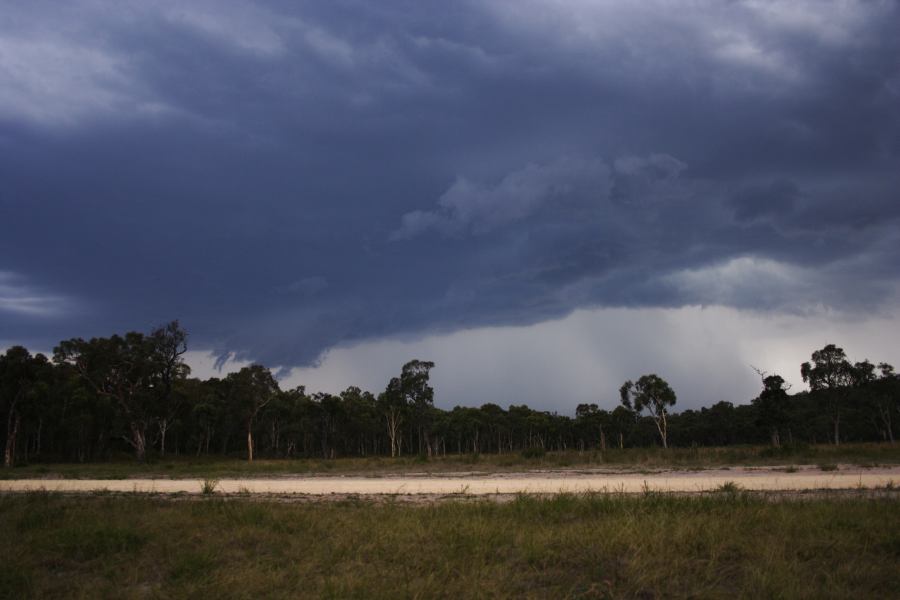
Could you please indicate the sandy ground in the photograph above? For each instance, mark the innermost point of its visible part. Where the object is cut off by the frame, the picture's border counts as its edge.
(759, 479)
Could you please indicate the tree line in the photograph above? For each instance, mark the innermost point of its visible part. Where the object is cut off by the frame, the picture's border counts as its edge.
(97, 399)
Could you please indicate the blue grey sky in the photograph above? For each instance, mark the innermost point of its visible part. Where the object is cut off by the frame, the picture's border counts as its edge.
(299, 182)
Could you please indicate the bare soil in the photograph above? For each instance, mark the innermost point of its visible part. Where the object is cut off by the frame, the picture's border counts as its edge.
(760, 479)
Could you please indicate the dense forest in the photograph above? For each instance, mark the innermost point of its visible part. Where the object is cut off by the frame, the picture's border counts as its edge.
(101, 398)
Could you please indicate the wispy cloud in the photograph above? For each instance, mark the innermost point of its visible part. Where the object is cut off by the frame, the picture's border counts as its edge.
(18, 297)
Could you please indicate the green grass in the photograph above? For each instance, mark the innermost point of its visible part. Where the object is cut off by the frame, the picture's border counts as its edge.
(635, 459)
(729, 545)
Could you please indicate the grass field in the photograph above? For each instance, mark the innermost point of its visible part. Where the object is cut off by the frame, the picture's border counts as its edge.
(636, 459)
(727, 545)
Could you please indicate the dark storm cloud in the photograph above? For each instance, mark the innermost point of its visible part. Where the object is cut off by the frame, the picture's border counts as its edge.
(285, 177)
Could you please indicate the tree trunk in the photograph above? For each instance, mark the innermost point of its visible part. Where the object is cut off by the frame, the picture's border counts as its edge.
(393, 430)
(12, 431)
(885, 414)
(837, 430)
(249, 443)
(163, 428)
(138, 442)
(661, 426)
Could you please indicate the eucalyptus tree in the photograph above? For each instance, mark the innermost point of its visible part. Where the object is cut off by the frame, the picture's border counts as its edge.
(830, 376)
(361, 421)
(622, 423)
(495, 420)
(168, 345)
(22, 377)
(137, 372)
(419, 396)
(589, 420)
(249, 391)
(773, 406)
(651, 393)
(119, 368)
(885, 399)
(392, 405)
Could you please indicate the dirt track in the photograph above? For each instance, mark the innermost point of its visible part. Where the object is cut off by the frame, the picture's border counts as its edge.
(762, 479)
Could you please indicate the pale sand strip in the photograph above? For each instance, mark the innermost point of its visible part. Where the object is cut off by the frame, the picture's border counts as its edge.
(669, 482)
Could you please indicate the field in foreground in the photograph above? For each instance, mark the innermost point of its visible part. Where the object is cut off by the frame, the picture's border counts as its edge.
(628, 459)
(595, 546)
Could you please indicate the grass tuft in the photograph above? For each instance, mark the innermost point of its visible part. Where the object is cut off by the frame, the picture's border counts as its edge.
(729, 487)
(209, 486)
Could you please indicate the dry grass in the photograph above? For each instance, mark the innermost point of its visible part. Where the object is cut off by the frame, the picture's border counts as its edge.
(722, 545)
(631, 459)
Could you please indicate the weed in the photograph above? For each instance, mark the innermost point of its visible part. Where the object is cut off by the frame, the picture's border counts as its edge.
(209, 486)
(730, 488)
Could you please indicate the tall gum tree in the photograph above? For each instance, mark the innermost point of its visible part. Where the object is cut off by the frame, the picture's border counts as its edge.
(22, 377)
(250, 390)
(886, 398)
(393, 406)
(652, 393)
(168, 345)
(419, 396)
(830, 375)
(118, 368)
(772, 406)
(135, 371)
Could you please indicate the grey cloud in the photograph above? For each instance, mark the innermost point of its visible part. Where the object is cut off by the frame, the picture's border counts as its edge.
(477, 208)
(308, 286)
(776, 198)
(289, 177)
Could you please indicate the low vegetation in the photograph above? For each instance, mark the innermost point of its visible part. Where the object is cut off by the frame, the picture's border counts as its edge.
(721, 545)
(629, 459)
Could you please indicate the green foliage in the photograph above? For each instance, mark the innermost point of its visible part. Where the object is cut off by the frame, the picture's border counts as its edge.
(650, 392)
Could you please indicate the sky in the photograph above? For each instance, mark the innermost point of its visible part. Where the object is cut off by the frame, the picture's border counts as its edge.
(545, 198)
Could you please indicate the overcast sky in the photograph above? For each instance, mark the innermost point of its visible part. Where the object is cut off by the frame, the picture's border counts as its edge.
(545, 198)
